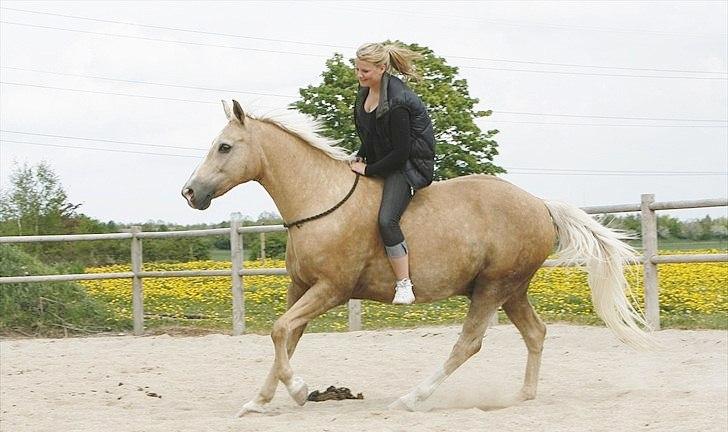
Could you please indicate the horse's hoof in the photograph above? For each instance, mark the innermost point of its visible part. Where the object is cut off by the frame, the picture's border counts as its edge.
(526, 395)
(251, 407)
(298, 390)
(406, 402)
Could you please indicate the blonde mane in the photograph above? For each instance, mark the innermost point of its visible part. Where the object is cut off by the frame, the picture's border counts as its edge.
(306, 128)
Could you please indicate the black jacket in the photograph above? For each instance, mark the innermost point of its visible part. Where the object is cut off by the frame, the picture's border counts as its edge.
(393, 93)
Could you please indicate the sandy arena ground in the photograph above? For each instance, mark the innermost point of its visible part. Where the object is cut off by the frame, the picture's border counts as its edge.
(589, 382)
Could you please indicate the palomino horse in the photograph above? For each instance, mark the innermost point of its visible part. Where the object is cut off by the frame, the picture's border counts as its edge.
(476, 236)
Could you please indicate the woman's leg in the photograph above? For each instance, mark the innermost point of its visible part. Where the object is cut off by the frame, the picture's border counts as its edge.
(400, 266)
(395, 198)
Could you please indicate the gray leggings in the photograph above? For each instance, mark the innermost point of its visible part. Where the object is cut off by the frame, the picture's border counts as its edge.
(395, 198)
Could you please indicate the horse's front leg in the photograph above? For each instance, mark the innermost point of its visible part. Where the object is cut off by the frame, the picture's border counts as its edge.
(271, 382)
(286, 331)
(257, 405)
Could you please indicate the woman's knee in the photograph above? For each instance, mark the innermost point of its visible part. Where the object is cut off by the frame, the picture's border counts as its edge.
(386, 221)
(389, 229)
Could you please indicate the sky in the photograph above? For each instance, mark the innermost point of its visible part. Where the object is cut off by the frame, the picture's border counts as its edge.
(596, 102)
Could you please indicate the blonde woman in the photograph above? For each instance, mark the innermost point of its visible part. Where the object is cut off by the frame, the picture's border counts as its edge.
(397, 144)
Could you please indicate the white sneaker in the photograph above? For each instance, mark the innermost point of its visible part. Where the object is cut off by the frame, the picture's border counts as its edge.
(403, 292)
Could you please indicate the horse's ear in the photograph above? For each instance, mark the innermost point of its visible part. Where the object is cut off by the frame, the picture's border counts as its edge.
(238, 111)
(228, 109)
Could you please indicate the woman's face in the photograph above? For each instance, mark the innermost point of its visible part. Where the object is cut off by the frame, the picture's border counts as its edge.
(368, 74)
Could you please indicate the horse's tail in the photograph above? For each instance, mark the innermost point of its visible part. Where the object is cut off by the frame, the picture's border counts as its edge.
(604, 252)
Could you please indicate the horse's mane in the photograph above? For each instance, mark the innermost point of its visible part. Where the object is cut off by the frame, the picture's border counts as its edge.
(306, 128)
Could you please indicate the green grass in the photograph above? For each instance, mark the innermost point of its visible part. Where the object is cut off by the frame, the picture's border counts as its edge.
(695, 321)
(672, 244)
(378, 316)
(47, 308)
(224, 254)
(220, 254)
(336, 321)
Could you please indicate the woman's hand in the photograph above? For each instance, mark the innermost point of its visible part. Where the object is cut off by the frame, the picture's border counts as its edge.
(358, 167)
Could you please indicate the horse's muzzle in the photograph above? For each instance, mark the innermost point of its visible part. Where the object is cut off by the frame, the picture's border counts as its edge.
(197, 200)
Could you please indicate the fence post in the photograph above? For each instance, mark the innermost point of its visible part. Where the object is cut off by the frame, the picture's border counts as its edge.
(262, 245)
(236, 259)
(649, 248)
(354, 315)
(137, 287)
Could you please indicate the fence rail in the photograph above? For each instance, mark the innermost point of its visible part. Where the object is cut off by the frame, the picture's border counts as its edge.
(649, 259)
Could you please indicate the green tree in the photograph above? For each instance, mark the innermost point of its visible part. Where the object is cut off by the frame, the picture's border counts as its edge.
(630, 223)
(706, 226)
(669, 227)
(461, 147)
(720, 228)
(275, 242)
(35, 203)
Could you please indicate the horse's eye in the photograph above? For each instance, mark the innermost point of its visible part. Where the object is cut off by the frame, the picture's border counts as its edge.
(224, 148)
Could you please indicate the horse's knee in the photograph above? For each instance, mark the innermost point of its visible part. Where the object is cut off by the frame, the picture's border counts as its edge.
(280, 336)
(535, 337)
(279, 332)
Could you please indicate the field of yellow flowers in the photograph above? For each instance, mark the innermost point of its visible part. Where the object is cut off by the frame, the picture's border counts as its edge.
(691, 296)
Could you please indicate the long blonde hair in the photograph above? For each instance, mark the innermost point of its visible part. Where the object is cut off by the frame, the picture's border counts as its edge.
(391, 54)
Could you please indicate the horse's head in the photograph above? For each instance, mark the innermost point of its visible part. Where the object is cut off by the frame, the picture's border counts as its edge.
(233, 159)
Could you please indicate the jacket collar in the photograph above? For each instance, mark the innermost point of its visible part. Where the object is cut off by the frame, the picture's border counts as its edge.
(383, 107)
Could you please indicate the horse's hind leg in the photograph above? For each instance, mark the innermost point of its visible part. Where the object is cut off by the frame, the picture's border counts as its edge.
(483, 305)
(533, 331)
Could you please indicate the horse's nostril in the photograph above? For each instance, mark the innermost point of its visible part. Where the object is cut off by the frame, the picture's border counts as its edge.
(188, 193)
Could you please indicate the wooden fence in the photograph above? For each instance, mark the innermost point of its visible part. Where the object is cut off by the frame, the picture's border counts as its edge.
(649, 259)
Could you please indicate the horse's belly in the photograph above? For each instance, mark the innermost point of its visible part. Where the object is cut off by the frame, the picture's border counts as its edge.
(435, 273)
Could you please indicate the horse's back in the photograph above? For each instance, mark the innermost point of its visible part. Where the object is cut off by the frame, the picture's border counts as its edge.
(485, 202)
(493, 192)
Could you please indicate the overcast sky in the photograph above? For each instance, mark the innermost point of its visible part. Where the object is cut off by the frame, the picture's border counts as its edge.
(597, 102)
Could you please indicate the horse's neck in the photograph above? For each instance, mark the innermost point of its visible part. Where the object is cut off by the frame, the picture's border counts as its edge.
(302, 180)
